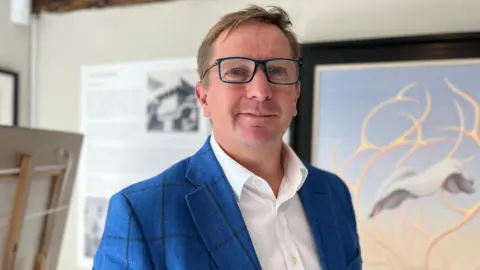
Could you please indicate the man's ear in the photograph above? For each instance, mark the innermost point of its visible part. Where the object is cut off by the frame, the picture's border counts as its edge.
(201, 93)
(297, 95)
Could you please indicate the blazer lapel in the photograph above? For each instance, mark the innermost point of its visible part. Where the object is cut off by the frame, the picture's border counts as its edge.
(318, 204)
(217, 215)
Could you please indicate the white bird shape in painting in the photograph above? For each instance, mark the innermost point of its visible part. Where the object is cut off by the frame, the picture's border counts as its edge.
(405, 183)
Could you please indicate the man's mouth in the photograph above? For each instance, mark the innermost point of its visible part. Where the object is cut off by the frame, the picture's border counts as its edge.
(259, 114)
(255, 113)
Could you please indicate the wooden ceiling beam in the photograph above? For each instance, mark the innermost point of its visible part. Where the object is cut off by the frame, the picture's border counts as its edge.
(63, 6)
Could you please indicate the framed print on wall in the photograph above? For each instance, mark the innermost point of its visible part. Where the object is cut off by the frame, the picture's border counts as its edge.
(398, 120)
(8, 98)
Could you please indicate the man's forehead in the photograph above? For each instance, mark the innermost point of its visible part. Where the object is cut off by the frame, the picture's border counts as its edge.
(254, 40)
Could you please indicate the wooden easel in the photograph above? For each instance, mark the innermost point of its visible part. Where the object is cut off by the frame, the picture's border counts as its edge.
(34, 165)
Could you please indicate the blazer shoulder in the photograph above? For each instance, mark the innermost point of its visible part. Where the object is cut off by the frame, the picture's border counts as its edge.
(324, 175)
(336, 183)
(173, 176)
(340, 193)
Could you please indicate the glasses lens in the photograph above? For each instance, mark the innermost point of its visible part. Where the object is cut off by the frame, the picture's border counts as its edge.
(236, 70)
(239, 70)
(282, 71)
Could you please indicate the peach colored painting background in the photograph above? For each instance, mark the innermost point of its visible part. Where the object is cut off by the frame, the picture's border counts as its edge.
(373, 121)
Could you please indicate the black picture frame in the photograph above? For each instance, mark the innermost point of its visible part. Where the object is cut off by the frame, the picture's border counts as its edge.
(10, 79)
(394, 49)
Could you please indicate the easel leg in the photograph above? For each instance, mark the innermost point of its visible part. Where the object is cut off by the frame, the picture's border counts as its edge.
(42, 253)
(18, 213)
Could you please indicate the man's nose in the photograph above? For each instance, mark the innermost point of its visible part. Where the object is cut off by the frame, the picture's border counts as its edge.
(259, 88)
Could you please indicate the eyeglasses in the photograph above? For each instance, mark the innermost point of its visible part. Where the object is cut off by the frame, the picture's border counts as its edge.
(238, 70)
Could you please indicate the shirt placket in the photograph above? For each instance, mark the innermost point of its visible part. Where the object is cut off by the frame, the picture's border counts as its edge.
(291, 255)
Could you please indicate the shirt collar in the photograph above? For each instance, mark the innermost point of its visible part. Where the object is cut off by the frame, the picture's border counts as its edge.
(237, 175)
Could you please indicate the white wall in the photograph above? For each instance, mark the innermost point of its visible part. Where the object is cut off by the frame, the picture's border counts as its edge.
(155, 31)
(15, 56)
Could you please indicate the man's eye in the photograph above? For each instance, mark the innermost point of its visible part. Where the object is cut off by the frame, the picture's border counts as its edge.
(277, 70)
(236, 71)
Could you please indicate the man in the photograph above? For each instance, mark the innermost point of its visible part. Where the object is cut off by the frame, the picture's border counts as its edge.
(244, 200)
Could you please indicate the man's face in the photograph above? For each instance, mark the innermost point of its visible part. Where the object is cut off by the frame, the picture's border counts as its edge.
(254, 113)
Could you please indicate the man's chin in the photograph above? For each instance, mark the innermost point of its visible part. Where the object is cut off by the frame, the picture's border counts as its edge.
(259, 137)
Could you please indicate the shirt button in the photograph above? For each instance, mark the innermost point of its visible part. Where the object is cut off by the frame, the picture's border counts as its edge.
(294, 260)
(257, 182)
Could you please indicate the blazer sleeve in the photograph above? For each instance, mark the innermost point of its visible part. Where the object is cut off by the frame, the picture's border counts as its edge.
(122, 245)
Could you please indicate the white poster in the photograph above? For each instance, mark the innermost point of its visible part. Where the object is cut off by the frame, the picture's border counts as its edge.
(138, 119)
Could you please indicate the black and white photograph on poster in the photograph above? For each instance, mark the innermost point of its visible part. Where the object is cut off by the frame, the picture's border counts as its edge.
(95, 213)
(172, 105)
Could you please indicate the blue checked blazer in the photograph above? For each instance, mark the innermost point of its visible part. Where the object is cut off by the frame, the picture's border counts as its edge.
(187, 218)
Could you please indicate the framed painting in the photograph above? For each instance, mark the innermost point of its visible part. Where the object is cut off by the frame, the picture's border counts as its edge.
(8, 98)
(398, 120)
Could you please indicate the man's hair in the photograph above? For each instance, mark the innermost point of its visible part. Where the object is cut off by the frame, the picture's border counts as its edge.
(275, 16)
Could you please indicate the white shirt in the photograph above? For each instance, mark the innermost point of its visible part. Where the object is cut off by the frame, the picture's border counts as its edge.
(278, 227)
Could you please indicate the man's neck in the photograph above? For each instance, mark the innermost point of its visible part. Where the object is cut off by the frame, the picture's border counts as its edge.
(264, 161)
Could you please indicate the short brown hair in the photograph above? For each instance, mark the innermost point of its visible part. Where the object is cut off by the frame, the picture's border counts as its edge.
(275, 16)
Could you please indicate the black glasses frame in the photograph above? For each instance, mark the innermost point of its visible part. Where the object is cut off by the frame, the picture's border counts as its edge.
(262, 63)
